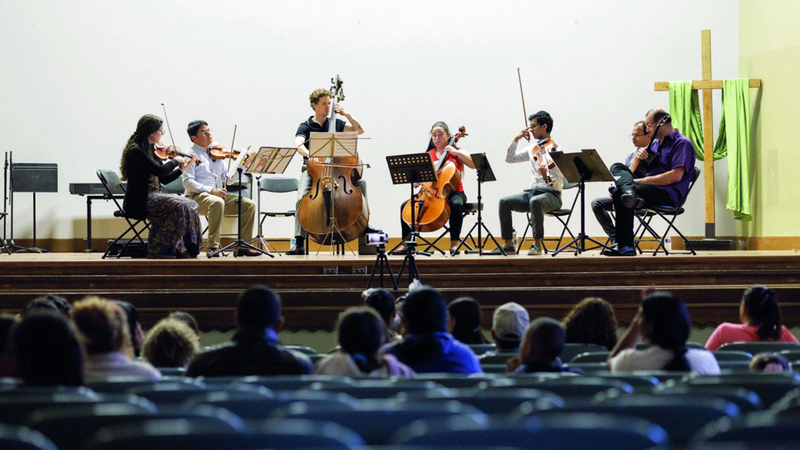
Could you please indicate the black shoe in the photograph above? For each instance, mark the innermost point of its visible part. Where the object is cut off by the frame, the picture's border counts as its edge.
(620, 251)
(212, 252)
(401, 252)
(454, 252)
(629, 199)
(246, 252)
(297, 250)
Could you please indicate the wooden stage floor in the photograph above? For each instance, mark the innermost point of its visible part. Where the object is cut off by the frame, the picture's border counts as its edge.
(316, 288)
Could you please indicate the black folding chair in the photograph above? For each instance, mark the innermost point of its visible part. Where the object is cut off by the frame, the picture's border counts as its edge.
(3, 240)
(111, 181)
(669, 214)
(563, 215)
(274, 185)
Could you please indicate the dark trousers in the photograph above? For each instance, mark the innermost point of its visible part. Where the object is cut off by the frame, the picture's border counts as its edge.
(652, 196)
(456, 201)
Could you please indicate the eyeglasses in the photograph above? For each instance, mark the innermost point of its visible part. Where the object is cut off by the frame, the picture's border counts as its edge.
(207, 132)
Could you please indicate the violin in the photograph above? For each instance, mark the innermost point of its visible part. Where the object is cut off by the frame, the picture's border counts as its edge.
(434, 211)
(218, 151)
(167, 152)
(543, 162)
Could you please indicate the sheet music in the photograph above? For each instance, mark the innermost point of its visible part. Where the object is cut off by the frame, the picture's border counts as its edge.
(323, 145)
(232, 176)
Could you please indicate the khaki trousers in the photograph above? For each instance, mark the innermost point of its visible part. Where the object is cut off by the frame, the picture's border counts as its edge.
(215, 208)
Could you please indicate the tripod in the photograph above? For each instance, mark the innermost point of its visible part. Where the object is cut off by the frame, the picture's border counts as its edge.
(4, 214)
(380, 262)
(485, 174)
(239, 243)
(411, 246)
(584, 166)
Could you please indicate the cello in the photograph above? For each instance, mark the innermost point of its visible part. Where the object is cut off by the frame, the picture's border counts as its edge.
(434, 211)
(334, 211)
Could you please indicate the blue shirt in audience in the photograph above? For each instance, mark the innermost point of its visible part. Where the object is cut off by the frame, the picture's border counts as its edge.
(449, 356)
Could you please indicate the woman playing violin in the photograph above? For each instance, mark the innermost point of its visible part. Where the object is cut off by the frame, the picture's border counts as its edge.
(544, 192)
(438, 147)
(175, 230)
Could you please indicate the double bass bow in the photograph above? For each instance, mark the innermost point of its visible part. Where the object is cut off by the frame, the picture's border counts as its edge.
(434, 211)
(334, 211)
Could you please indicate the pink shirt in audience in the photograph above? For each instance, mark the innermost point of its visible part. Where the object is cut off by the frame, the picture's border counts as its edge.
(737, 332)
(116, 364)
(655, 358)
(341, 364)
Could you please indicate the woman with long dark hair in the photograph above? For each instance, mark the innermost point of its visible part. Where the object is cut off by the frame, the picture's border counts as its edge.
(175, 230)
(464, 321)
(663, 322)
(760, 319)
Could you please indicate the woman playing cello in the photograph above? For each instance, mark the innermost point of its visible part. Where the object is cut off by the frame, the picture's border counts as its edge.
(438, 147)
(175, 230)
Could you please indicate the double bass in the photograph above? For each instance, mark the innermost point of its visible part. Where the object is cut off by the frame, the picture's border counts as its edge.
(433, 210)
(334, 211)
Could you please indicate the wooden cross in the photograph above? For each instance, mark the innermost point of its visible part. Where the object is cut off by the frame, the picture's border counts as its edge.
(707, 85)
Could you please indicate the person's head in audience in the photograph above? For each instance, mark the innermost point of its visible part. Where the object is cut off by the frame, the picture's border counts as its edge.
(361, 335)
(666, 324)
(186, 318)
(759, 308)
(542, 342)
(464, 320)
(508, 324)
(102, 324)
(425, 312)
(382, 301)
(48, 303)
(47, 351)
(170, 343)
(591, 321)
(259, 308)
(770, 363)
(134, 328)
(7, 322)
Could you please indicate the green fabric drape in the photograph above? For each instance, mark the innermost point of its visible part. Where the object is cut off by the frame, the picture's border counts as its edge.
(736, 107)
(684, 107)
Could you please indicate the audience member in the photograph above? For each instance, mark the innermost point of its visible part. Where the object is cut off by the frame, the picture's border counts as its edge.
(508, 324)
(591, 321)
(427, 346)
(254, 349)
(760, 319)
(542, 342)
(662, 321)
(382, 301)
(361, 336)
(464, 321)
(770, 363)
(170, 343)
(48, 303)
(134, 349)
(186, 318)
(7, 322)
(47, 351)
(104, 328)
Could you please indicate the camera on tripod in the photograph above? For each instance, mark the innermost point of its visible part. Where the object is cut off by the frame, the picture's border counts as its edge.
(377, 239)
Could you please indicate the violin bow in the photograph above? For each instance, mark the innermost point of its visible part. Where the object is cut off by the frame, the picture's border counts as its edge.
(522, 96)
(166, 119)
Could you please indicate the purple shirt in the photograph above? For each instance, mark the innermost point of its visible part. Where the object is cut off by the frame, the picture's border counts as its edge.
(676, 150)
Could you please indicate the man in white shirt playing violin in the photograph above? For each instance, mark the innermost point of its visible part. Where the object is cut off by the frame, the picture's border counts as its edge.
(205, 184)
(544, 193)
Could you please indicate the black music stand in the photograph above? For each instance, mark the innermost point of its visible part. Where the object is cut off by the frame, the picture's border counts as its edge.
(4, 214)
(33, 178)
(411, 169)
(269, 161)
(485, 174)
(332, 145)
(239, 243)
(580, 168)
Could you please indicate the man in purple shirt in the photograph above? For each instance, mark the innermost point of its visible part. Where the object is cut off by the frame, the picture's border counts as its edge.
(665, 183)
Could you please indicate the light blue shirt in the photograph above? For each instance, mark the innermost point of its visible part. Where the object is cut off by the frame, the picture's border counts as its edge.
(203, 177)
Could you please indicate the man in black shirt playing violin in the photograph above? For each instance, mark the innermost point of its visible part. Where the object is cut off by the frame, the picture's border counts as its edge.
(319, 122)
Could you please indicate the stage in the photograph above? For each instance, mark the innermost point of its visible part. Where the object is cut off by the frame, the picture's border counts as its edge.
(316, 288)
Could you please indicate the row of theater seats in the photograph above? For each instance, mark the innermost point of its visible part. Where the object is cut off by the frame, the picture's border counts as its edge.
(603, 411)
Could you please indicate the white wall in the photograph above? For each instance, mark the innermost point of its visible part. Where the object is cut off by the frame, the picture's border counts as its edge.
(76, 75)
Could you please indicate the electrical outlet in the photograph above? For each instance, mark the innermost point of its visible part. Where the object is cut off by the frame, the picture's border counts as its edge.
(360, 270)
(330, 270)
